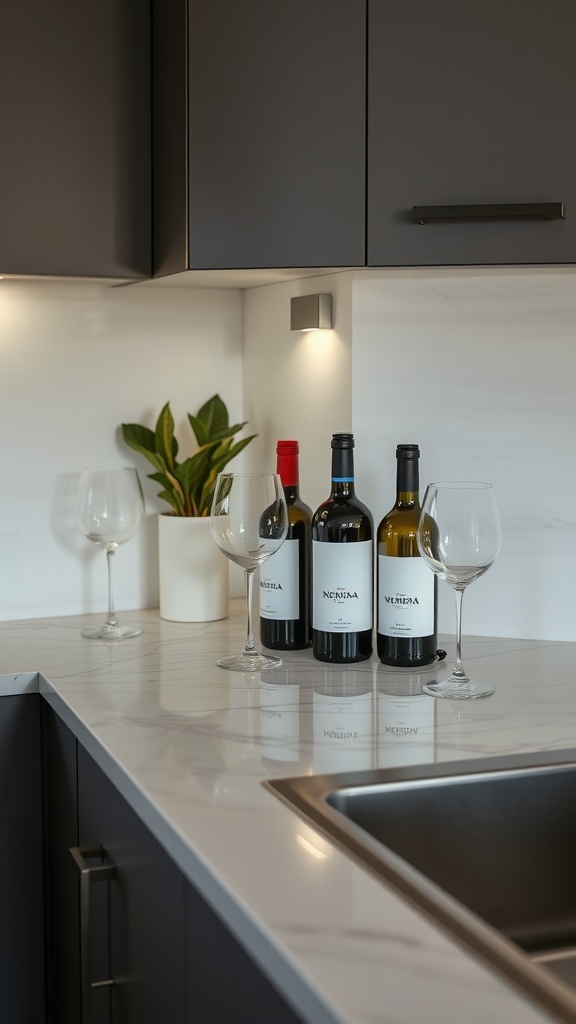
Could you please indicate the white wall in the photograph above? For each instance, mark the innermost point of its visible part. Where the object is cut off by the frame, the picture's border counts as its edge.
(297, 385)
(76, 360)
(479, 368)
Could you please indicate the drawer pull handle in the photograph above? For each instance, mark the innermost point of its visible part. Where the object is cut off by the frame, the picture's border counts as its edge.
(490, 211)
(89, 875)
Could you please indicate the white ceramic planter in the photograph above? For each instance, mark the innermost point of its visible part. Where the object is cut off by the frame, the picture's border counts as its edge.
(194, 574)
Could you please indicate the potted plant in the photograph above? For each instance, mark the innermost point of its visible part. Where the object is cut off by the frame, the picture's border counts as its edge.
(193, 571)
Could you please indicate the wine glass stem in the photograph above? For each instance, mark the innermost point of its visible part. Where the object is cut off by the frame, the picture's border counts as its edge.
(458, 669)
(111, 620)
(249, 645)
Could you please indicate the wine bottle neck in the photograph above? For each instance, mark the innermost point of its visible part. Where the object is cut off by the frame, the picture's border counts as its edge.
(291, 494)
(342, 472)
(288, 471)
(407, 482)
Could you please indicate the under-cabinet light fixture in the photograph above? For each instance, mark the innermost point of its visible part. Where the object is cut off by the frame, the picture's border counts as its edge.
(311, 313)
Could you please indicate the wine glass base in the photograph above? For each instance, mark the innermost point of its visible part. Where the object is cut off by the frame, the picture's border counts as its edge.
(249, 662)
(458, 689)
(111, 633)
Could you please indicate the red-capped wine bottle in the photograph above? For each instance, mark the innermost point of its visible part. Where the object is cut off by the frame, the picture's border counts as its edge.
(285, 577)
(342, 566)
(407, 588)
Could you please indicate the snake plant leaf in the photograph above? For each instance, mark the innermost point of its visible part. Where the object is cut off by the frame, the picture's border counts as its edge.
(166, 443)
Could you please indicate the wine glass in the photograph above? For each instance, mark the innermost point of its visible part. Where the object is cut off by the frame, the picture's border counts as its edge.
(249, 522)
(110, 509)
(459, 536)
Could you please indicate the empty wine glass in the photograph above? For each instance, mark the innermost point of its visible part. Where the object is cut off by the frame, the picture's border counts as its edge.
(110, 509)
(249, 522)
(459, 536)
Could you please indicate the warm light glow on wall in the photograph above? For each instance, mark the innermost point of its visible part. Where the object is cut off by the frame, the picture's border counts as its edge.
(317, 346)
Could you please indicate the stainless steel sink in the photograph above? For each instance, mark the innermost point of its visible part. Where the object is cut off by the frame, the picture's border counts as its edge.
(488, 848)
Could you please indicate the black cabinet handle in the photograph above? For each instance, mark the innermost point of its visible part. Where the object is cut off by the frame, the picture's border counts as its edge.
(490, 211)
(88, 876)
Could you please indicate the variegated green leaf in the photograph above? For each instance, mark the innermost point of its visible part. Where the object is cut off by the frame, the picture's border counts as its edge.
(166, 444)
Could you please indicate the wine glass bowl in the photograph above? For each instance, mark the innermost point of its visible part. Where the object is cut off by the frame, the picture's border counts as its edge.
(109, 511)
(249, 522)
(459, 536)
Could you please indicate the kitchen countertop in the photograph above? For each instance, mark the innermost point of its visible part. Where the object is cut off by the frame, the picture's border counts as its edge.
(188, 744)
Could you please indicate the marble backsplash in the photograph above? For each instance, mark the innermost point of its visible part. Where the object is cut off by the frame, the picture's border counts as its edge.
(478, 367)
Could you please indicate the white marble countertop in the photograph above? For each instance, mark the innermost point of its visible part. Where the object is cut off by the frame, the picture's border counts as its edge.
(189, 743)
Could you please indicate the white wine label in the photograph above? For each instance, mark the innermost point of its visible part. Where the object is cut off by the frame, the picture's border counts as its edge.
(342, 590)
(279, 583)
(405, 597)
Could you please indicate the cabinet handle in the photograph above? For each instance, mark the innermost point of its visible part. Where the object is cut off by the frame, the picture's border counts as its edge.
(490, 211)
(89, 876)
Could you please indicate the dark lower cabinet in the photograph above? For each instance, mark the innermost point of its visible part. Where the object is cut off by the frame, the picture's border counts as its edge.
(60, 798)
(142, 943)
(144, 947)
(21, 884)
(224, 985)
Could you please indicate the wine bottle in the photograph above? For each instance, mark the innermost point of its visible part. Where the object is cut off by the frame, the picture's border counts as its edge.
(342, 566)
(407, 589)
(285, 577)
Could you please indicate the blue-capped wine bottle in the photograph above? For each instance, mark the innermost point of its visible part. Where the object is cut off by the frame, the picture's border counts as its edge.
(342, 566)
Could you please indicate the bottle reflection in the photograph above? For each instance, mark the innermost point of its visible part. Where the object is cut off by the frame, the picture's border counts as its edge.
(238, 785)
(343, 720)
(406, 717)
(280, 727)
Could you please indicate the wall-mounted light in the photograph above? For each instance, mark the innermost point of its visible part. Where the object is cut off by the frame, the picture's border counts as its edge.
(311, 313)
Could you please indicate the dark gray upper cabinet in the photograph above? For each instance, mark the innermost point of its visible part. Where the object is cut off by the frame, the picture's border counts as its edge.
(259, 133)
(299, 134)
(75, 138)
(470, 103)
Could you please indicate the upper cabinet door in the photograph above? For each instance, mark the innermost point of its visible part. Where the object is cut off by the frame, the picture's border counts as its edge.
(259, 133)
(75, 138)
(471, 103)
